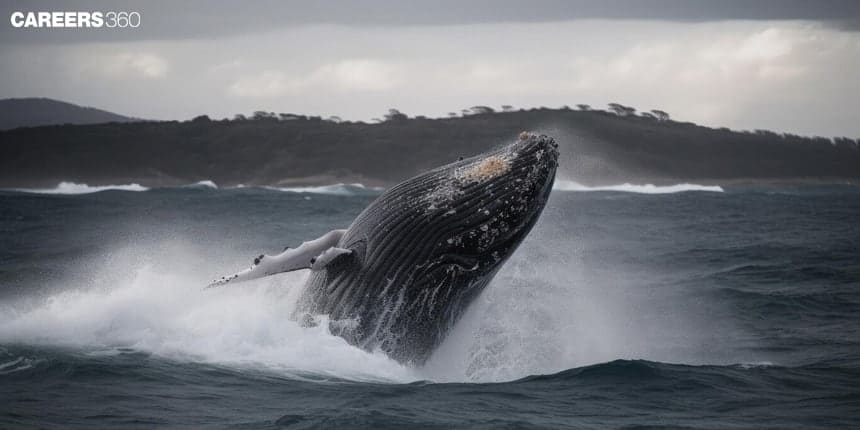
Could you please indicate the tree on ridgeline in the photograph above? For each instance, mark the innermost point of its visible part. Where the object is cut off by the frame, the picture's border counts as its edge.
(452, 115)
(846, 142)
(395, 115)
(290, 116)
(660, 115)
(583, 107)
(507, 108)
(621, 110)
(766, 133)
(240, 117)
(480, 110)
(261, 115)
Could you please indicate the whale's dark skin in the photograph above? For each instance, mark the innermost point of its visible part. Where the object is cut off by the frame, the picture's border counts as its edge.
(408, 267)
(423, 250)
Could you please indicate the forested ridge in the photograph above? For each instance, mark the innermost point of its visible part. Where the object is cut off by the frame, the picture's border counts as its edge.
(598, 147)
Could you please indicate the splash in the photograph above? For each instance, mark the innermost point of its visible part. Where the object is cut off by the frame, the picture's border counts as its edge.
(550, 308)
(554, 307)
(566, 185)
(143, 298)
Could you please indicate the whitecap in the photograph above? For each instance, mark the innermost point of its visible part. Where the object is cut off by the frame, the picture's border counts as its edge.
(15, 365)
(567, 185)
(203, 184)
(75, 188)
(339, 189)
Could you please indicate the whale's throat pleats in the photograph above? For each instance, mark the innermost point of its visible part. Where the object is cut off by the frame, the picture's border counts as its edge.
(417, 263)
(411, 263)
(426, 248)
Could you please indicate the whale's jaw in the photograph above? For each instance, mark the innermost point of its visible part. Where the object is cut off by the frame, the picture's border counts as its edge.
(426, 248)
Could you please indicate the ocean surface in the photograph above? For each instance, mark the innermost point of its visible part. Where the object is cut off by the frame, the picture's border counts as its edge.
(629, 306)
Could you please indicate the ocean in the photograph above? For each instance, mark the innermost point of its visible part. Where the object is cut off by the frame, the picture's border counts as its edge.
(631, 306)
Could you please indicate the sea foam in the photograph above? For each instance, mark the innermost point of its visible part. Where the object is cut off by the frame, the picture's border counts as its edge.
(568, 185)
(75, 188)
(152, 300)
(339, 189)
(203, 184)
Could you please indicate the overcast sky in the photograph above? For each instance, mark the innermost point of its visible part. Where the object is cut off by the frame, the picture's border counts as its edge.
(782, 65)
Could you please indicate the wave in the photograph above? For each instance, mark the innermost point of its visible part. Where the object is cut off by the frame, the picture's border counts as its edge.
(203, 184)
(339, 189)
(543, 313)
(75, 188)
(567, 185)
(141, 301)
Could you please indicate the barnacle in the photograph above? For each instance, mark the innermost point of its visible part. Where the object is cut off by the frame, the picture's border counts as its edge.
(488, 168)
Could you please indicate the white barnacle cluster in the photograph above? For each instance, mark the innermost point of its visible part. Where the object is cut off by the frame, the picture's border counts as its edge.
(485, 169)
(494, 165)
(441, 196)
(488, 232)
(475, 172)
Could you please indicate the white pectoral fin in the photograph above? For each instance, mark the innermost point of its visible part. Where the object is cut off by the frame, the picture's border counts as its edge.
(314, 254)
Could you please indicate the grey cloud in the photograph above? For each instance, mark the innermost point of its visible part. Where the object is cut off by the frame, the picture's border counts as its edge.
(846, 24)
(199, 19)
(782, 75)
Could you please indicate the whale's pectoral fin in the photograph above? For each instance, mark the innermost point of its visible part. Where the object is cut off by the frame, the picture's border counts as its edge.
(314, 255)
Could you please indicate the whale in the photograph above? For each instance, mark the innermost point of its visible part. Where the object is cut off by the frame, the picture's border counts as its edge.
(401, 275)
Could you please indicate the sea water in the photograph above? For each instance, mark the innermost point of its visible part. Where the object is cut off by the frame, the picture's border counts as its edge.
(628, 306)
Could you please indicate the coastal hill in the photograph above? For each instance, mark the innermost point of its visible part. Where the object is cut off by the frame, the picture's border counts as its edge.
(32, 112)
(598, 147)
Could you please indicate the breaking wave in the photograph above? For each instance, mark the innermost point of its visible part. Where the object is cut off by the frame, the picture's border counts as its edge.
(567, 185)
(75, 188)
(142, 301)
(339, 189)
(342, 189)
(203, 184)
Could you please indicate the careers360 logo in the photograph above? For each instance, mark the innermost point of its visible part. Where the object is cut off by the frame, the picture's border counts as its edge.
(79, 19)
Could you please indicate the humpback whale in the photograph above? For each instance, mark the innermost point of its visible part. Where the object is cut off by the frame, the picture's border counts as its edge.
(401, 275)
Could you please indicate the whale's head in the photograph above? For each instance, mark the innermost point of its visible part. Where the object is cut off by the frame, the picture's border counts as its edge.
(488, 203)
(428, 246)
